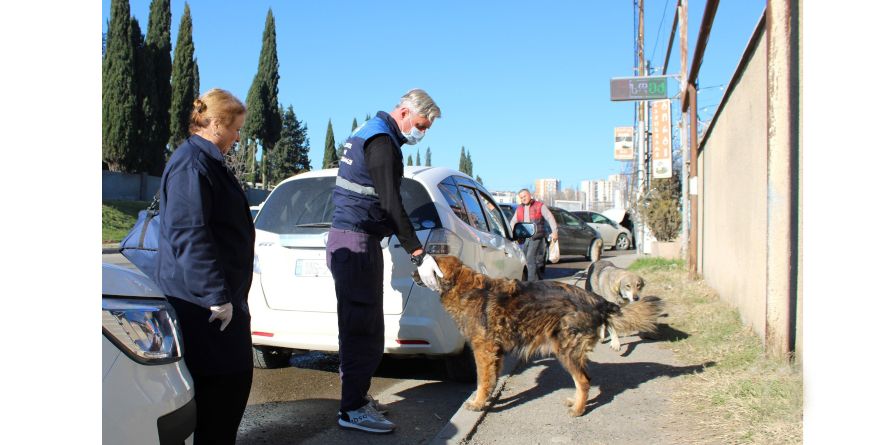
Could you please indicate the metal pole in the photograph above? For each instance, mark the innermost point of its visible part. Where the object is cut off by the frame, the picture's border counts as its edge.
(684, 121)
(641, 133)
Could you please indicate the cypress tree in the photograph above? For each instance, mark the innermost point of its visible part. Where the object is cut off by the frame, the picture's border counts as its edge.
(469, 165)
(428, 157)
(417, 158)
(119, 95)
(290, 154)
(182, 102)
(409, 160)
(158, 50)
(354, 125)
(367, 117)
(330, 160)
(264, 121)
(479, 179)
(196, 80)
(143, 112)
(462, 161)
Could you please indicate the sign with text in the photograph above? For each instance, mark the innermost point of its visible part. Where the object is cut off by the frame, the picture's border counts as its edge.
(638, 88)
(624, 143)
(661, 139)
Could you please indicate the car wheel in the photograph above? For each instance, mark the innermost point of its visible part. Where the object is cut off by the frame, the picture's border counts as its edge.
(622, 242)
(595, 250)
(267, 357)
(461, 368)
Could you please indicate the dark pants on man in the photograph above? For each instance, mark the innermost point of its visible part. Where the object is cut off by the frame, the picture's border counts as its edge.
(356, 262)
(534, 250)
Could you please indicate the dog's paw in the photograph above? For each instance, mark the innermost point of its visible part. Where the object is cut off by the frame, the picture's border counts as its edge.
(472, 406)
(570, 401)
(576, 412)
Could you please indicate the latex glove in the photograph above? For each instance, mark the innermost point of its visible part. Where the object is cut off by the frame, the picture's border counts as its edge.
(429, 271)
(224, 313)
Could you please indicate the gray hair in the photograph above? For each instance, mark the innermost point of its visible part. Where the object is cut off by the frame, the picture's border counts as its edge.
(418, 101)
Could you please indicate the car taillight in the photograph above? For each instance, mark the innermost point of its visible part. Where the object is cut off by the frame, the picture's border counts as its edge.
(443, 242)
(145, 330)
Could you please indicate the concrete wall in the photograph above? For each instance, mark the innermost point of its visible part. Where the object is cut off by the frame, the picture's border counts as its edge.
(732, 187)
(141, 187)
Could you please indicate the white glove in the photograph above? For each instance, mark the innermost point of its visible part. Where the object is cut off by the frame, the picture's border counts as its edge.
(224, 313)
(429, 271)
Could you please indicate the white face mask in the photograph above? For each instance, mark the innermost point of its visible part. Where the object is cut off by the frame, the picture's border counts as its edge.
(414, 135)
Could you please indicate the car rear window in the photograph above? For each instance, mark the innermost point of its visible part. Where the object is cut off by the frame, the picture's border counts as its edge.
(302, 205)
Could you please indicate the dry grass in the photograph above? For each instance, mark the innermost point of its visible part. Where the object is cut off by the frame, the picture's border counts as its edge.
(743, 396)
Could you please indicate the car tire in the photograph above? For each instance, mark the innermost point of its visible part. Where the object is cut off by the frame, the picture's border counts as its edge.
(461, 368)
(595, 250)
(267, 357)
(622, 243)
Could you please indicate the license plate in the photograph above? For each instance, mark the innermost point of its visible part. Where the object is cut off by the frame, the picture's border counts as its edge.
(311, 268)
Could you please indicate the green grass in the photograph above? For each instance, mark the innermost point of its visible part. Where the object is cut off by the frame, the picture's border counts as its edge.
(118, 217)
(744, 396)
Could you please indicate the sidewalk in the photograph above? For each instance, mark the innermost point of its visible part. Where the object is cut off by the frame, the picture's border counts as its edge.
(629, 391)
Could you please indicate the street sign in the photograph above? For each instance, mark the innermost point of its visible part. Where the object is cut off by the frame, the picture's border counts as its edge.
(638, 88)
(661, 139)
(624, 143)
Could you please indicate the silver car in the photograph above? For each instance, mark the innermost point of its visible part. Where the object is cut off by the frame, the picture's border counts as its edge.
(614, 235)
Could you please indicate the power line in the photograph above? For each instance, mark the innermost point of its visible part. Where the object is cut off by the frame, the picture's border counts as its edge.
(658, 33)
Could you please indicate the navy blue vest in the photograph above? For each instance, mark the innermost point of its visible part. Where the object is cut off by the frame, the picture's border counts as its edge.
(356, 204)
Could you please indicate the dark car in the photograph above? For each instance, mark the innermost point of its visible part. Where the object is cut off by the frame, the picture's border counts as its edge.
(576, 237)
(508, 210)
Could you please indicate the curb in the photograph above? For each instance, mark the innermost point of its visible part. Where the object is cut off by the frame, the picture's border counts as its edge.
(464, 422)
(110, 248)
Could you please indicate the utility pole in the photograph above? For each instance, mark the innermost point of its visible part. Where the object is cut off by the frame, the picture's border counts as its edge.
(641, 133)
(684, 142)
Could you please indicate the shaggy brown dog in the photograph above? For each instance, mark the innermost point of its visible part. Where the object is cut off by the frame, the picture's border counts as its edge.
(537, 318)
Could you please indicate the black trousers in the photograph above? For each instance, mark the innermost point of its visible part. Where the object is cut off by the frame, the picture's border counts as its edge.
(356, 262)
(221, 401)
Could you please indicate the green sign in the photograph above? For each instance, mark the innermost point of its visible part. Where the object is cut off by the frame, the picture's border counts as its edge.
(638, 88)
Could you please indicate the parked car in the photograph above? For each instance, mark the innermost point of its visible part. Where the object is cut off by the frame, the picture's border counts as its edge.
(508, 210)
(292, 299)
(614, 235)
(576, 237)
(147, 391)
(254, 210)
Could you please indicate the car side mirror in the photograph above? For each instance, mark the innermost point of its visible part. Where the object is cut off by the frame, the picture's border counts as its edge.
(524, 230)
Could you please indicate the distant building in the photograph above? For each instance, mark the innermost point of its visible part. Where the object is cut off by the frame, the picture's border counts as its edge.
(546, 190)
(603, 194)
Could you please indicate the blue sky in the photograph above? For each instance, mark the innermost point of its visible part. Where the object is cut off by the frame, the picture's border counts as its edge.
(523, 86)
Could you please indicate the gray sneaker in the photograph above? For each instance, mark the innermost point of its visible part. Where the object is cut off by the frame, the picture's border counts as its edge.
(380, 407)
(366, 419)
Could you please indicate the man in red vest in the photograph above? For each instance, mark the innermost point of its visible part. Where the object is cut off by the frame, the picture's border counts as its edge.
(537, 213)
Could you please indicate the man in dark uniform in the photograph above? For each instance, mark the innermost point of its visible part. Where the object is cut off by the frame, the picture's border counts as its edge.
(368, 208)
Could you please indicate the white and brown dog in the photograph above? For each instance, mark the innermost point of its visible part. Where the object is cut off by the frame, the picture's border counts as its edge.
(615, 284)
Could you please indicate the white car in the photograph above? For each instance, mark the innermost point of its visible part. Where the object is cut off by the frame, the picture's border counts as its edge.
(292, 299)
(613, 234)
(147, 392)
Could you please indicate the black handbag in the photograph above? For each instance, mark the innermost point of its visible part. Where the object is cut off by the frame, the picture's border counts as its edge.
(140, 244)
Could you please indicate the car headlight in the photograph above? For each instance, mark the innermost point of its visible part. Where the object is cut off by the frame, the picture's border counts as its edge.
(145, 330)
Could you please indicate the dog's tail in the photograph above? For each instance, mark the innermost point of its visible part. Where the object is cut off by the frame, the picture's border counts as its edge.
(638, 316)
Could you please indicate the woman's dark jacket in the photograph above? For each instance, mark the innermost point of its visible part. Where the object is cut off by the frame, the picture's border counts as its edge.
(205, 255)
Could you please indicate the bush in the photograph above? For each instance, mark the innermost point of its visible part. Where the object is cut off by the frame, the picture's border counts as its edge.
(660, 209)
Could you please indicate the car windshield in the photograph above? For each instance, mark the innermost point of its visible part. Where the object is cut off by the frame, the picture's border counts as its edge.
(304, 204)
